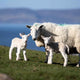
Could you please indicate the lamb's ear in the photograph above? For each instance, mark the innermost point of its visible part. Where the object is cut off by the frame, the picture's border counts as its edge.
(28, 34)
(42, 37)
(51, 37)
(28, 26)
(20, 34)
(41, 26)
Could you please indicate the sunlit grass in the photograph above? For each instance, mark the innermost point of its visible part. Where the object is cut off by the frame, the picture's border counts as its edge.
(35, 68)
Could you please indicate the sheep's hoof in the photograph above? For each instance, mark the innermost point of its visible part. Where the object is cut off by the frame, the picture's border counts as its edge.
(77, 65)
(10, 58)
(64, 66)
(49, 63)
(16, 59)
(25, 60)
(45, 61)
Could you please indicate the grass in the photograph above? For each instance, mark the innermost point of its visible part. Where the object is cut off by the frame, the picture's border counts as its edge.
(35, 68)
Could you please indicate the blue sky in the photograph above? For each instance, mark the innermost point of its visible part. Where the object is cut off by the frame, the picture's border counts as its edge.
(40, 4)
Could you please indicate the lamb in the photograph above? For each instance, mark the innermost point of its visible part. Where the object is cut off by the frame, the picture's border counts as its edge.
(51, 47)
(20, 44)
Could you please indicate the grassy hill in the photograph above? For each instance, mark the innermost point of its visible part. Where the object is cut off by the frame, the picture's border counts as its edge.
(35, 68)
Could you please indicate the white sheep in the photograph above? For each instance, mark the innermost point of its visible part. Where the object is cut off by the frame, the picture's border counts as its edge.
(68, 34)
(51, 47)
(20, 44)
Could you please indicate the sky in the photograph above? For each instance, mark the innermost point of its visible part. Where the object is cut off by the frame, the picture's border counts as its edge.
(40, 4)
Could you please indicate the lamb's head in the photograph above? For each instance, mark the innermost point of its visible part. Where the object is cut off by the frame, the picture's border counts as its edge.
(35, 30)
(24, 37)
(47, 40)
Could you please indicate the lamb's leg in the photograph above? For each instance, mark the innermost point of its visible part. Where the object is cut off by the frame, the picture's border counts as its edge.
(47, 53)
(50, 57)
(62, 49)
(79, 61)
(65, 57)
(24, 54)
(18, 54)
(10, 53)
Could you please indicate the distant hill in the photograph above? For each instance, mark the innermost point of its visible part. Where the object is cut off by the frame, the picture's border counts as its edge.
(31, 16)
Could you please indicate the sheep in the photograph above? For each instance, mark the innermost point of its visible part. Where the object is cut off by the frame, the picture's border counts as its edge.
(68, 34)
(20, 44)
(51, 47)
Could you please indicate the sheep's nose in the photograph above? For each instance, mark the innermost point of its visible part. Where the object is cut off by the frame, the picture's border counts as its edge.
(48, 44)
(34, 39)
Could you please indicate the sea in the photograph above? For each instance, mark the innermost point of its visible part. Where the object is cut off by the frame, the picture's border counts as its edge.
(10, 31)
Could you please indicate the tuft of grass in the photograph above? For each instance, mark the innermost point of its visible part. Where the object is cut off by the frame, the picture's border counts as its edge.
(35, 68)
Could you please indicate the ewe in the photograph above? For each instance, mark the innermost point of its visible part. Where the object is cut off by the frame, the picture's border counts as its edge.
(20, 44)
(68, 34)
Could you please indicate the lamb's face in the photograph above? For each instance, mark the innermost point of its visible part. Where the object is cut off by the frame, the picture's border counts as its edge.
(24, 37)
(46, 40)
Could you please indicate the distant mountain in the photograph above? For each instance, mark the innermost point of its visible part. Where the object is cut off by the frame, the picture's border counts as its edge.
(30, 16)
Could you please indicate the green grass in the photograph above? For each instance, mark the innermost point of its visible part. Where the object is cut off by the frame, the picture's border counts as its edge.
(35, 68)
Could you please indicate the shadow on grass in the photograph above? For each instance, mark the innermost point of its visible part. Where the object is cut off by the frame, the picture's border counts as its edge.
(72, 64)
(69, 64)
(52, 63)
(57, 63)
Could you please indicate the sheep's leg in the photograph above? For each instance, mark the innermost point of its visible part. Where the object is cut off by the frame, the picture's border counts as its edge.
(24, 54)
(18, 54)
(62, 49)
(50, 57)
(47, 53)
(79, 61)
(10, 53)
(65, 58)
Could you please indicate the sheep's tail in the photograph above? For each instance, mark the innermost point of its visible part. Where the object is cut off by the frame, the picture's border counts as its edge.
(67, 49)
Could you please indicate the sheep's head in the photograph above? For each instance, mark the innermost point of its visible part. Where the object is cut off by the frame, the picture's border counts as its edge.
(24, 37)
(35, 30)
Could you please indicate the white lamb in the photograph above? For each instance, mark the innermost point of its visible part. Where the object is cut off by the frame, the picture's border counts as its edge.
(51, 47)
(20, 44)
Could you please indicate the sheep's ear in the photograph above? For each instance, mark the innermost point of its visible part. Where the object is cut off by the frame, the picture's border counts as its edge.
(20, 34)
(28, 26)
(42, 37)
(51, 37)
(41, 26)
(29, 34)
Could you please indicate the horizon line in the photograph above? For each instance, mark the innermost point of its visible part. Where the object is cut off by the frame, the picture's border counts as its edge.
(39, 9)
